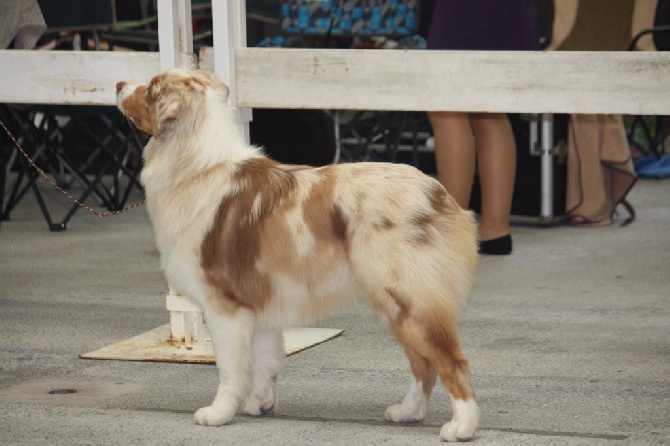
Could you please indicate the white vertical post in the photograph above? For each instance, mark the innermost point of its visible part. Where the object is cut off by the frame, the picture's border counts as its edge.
(175, 44)
(186, 320)
(547, 172)
(175, 33)
(168, 33)
(230, 32)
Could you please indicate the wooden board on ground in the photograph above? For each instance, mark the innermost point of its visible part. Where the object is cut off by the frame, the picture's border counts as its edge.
(153, 346)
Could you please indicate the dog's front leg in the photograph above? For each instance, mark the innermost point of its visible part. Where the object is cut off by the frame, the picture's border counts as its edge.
(231, 339)
(268, 358)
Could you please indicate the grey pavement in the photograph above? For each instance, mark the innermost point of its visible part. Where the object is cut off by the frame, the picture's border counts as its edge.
(568, 340)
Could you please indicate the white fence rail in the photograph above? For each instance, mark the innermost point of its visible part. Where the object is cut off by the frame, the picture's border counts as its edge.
(528, 82)
(70, 77)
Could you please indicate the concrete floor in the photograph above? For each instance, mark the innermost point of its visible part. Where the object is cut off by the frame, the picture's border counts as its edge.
(567, 338)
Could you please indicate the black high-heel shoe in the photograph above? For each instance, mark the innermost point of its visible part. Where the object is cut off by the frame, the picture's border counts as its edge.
(499, 246)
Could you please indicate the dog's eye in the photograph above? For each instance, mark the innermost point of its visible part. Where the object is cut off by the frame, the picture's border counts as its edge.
(149, 95)
(151, 92)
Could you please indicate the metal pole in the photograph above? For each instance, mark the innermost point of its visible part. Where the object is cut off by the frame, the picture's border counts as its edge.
(547, 169)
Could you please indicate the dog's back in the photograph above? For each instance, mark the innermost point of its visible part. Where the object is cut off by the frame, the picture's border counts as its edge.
(295, 242)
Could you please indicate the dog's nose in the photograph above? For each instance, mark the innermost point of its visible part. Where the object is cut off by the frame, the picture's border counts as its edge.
(119, 86)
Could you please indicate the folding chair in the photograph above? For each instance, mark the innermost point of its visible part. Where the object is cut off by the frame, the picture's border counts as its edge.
(84, 149)
(101, 164)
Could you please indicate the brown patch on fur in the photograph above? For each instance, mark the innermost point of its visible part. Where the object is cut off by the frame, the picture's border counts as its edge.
(403, 307)
(135, 107)
(441, 204)
(434, 337)
(263, 173)
(385, 223)
(153, 88)
(437, 196)
(228, 260)
(292, 167)
(233, 245)
(423, 222)
(192, 84)
(339, 223)
(171, 82)
(451, 364)
(324, 218)
(424, 219)
(422, 370)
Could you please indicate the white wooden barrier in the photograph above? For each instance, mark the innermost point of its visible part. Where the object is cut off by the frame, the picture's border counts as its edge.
(528, 82)
(70, 77)
(497, 81)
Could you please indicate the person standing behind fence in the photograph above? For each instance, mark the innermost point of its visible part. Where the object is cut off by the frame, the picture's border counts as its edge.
(463, 140)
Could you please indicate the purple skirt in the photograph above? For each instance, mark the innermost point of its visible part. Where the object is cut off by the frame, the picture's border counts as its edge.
(484, 25)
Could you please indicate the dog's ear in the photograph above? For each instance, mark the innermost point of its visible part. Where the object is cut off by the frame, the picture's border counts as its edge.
(167, 111)
(166, 103)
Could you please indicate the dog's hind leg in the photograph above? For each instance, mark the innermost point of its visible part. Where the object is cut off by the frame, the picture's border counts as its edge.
(435, 338)
(231, 339)
(413, 406)
(268, 358)
(455, 373)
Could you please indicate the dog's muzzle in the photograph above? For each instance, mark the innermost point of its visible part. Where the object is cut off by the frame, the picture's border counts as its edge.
(123, 91)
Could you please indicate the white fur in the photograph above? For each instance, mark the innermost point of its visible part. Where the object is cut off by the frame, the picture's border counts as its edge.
(413, 406)
(464, 422)
(268, 357)
(231, 338)
(255, 208)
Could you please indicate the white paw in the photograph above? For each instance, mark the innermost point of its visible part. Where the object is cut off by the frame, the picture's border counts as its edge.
(259, 405)
(400, 413)
(464, 423)
(454, 431)
(213, 415)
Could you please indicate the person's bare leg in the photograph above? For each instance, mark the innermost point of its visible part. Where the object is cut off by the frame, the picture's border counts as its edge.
(454, 154)
(496, 161)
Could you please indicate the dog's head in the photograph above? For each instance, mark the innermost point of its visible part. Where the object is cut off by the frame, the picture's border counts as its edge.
(174, 95)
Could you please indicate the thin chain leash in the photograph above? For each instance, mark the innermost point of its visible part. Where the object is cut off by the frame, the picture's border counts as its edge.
(97, 213)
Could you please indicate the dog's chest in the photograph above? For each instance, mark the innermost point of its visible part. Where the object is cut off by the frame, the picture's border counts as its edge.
(183, 273)
(179, 226)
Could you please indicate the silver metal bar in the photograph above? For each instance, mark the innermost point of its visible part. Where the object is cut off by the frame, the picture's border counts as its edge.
(547, 170)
